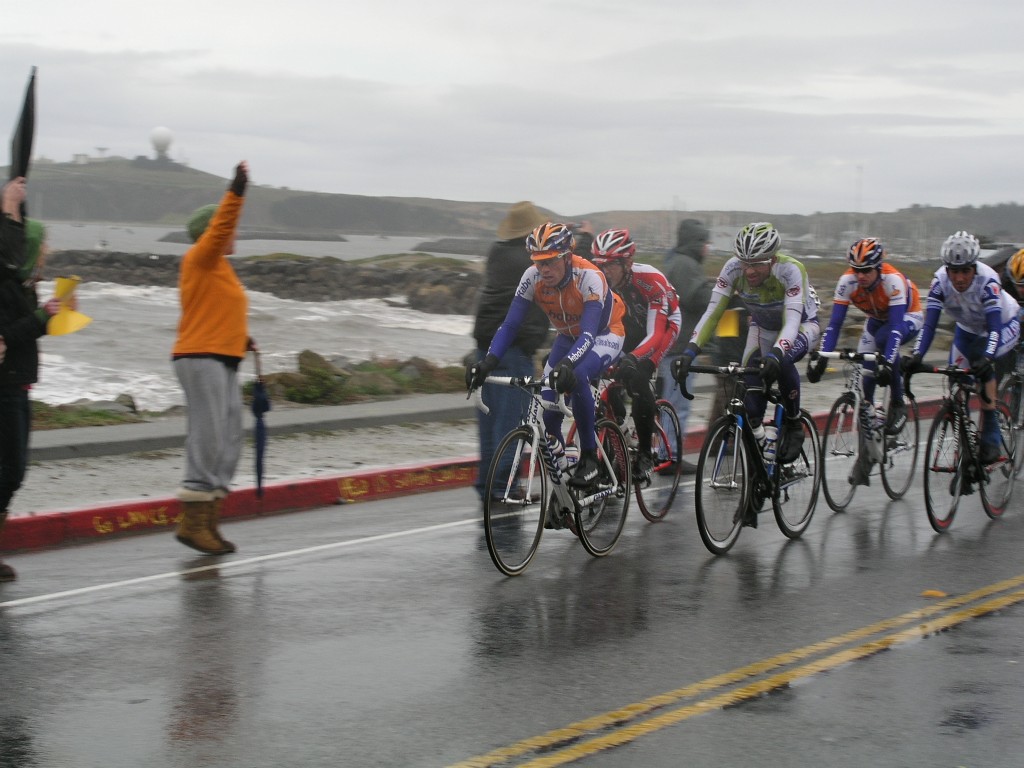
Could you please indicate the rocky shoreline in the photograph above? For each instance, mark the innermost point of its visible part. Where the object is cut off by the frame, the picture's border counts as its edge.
(429, 285)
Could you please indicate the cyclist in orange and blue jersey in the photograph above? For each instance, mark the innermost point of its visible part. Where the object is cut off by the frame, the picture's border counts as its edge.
(893, 305)
(587, 318)
(652, 324)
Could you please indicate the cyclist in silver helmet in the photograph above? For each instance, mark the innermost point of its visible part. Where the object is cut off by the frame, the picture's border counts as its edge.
(987, 324)
(783, 323)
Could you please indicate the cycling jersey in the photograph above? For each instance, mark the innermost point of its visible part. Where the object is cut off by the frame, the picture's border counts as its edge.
(983, 309)
(588, 319)
(783, 302)
(892, 300)
(652, 313)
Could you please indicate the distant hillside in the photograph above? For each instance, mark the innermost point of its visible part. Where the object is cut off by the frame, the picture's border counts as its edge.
(145, 191)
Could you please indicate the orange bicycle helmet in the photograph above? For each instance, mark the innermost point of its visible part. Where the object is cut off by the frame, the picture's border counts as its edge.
(548, 241)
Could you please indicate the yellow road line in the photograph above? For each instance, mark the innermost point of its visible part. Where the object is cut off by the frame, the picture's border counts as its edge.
(621, 718)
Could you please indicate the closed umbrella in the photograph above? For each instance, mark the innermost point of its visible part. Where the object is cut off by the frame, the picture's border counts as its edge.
(24, 131)
(260, 405)
(21, 140)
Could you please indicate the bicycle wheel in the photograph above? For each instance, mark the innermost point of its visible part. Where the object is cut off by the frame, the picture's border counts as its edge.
(599, 523)
(796, 491)
(723, 486)
(997, 479)
(1011, 392)
(517, 490)
(839, 446)
(655, 494)
(943, 471)
(900, 459)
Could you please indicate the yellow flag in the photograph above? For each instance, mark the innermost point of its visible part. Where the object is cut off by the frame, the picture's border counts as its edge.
(66, 320)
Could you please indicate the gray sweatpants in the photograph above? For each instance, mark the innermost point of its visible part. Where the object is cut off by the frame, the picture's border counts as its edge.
(214, 439)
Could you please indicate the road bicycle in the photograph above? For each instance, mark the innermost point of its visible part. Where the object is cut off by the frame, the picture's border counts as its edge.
(953, 466)
(846, 437)
(1011, 392)
(736, 473)
(527, 486)
(656, 490)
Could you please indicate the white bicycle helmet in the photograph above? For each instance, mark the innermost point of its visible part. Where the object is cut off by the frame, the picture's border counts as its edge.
(961, 249)
(757, 242)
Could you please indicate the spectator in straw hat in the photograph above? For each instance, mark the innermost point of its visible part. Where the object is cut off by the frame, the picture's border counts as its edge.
(507, 259)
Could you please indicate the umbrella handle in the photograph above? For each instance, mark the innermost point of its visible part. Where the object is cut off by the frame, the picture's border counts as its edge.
(259, 369)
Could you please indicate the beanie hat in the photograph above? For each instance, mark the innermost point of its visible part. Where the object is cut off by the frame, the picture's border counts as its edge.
(521, 220)
(691, 238)
(200, 220)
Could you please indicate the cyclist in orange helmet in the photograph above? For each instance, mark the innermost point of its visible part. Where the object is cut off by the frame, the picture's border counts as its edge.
(892, 304)
(587, 318)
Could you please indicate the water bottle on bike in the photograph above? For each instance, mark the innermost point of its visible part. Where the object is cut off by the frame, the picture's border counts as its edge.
(769, 443)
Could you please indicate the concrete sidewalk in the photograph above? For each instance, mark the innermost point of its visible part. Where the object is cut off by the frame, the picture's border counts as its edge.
(169, 432)
(324, 455)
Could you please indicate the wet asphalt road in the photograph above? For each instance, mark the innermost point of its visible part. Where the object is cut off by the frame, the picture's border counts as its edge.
(380, 634)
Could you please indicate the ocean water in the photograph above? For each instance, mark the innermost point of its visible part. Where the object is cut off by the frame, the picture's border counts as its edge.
(129, 238)
(126, 349)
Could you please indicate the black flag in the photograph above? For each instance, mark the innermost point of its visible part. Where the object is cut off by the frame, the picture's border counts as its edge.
(21, 141)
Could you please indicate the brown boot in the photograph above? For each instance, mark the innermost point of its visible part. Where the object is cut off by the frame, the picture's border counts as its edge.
(6, 572)
(218, 504)
(194, 528)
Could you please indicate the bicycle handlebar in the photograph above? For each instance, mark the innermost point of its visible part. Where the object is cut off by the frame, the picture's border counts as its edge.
(531, 384)
(845, 354)
(731, 369)
(950, 371)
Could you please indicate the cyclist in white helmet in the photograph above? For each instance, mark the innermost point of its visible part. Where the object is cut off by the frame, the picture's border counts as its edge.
(783, 323)
(987, 326)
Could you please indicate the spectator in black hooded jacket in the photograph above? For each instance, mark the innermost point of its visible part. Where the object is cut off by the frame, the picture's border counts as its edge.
(685, 271)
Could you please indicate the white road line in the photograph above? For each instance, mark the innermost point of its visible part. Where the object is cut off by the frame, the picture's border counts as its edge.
(220, 566)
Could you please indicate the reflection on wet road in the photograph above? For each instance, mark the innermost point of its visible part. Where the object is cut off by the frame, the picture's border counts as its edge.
(381, 634)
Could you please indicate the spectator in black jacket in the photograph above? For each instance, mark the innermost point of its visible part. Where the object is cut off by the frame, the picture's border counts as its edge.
(507, 259)
(685, 271)
(22, 322)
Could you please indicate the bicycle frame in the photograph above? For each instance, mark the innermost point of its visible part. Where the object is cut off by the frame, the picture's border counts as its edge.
(603, 390)
(855, 387)
(736, 410)
(965, 467)
(533, 420)
(516, 516)
(735, 477)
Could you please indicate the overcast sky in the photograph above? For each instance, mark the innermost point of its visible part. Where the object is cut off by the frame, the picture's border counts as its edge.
(782, 107)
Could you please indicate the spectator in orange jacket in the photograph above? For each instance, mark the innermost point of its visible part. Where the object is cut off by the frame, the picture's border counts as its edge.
(212, 340)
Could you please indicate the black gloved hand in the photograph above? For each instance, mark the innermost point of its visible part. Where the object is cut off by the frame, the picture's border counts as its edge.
(478, 372)
(982, 369)
(910, 363)
(816, 369)
(645, 370)
(883, 374)
(681, 366)
(637, 375)
(771, 366)
(563, 377)
(626, 368)
(241, 179)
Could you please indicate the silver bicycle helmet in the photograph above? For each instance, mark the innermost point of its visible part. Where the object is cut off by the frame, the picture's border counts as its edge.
(961, 249)
(757, 242)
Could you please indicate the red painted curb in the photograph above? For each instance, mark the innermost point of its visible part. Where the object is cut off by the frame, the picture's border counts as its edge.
(54, 529)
